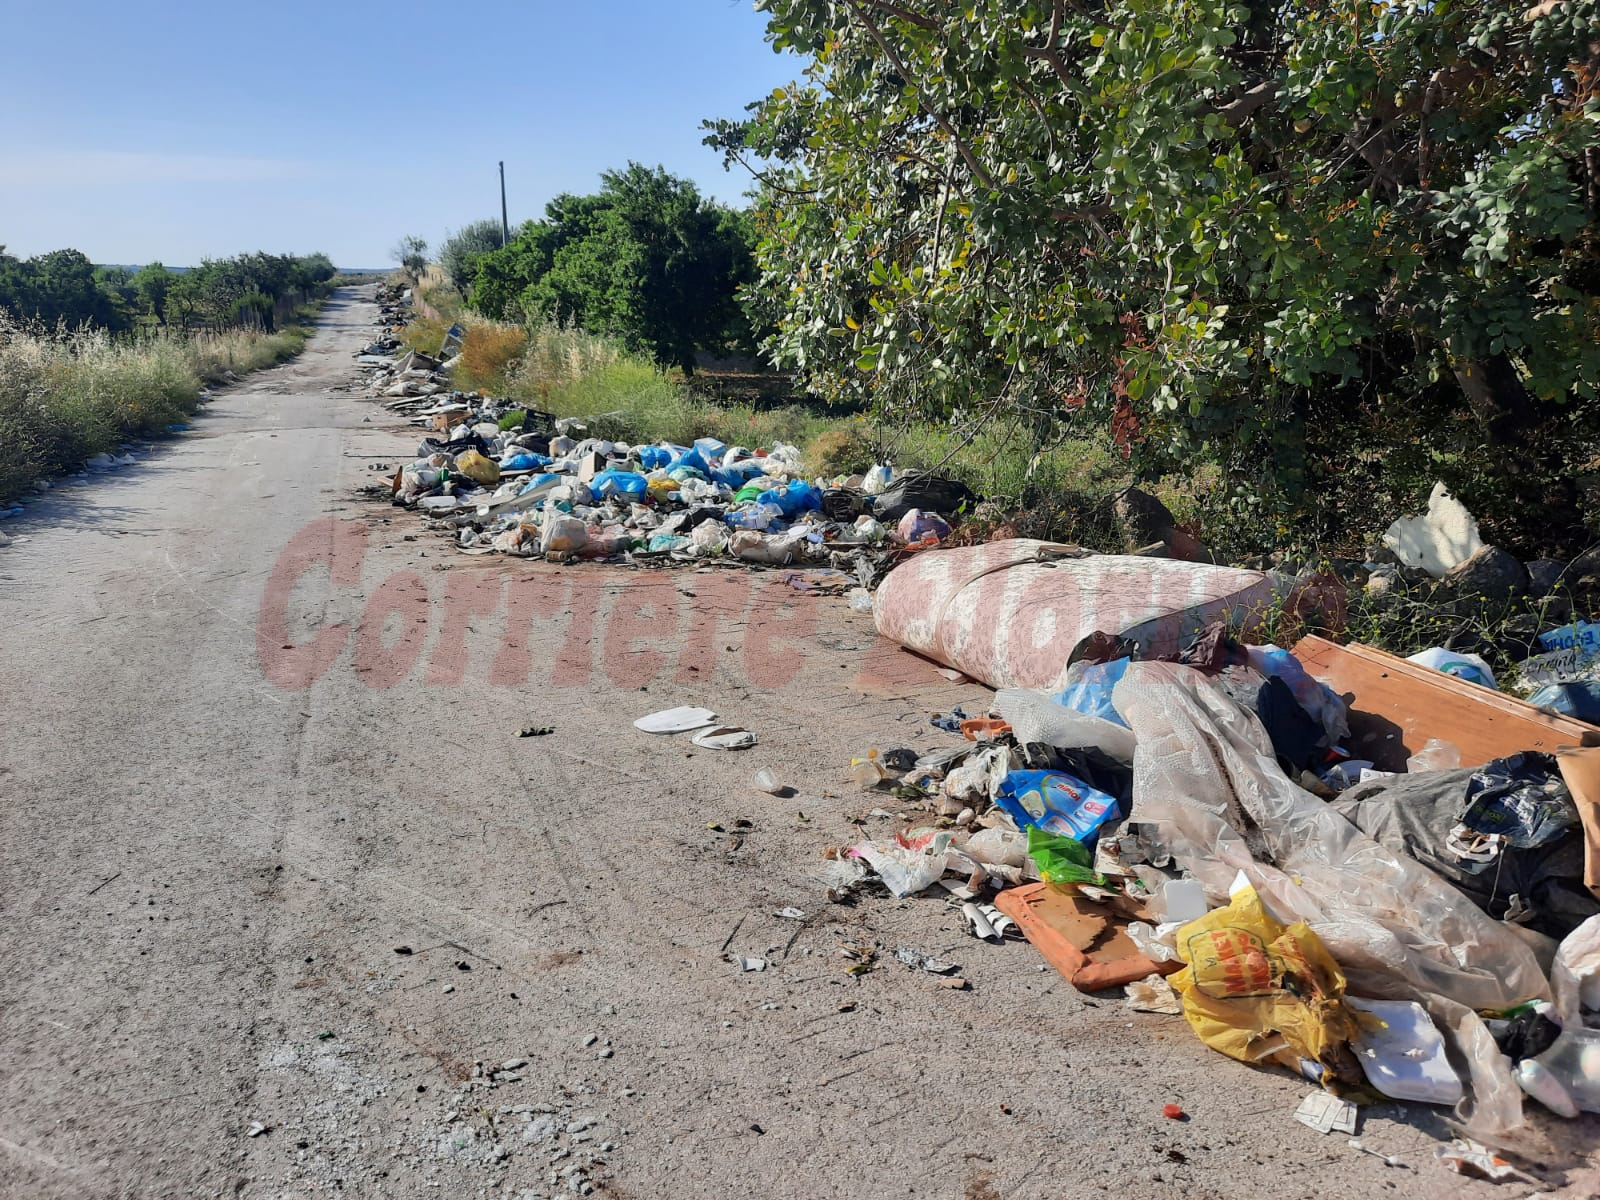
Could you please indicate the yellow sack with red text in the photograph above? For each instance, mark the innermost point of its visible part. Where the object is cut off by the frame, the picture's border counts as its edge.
(1262, 992)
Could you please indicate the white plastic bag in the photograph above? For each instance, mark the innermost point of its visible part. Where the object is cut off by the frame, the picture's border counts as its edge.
(1035, 717)
(907, 862)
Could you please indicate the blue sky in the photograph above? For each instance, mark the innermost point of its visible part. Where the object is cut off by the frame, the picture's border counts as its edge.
(176, 131)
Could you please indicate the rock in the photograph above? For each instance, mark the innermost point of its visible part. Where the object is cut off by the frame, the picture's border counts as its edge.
(1543, 574)
(1141, 518)
(1583, 570)
(1489, 572)
(1442, 538)
(1149, 529)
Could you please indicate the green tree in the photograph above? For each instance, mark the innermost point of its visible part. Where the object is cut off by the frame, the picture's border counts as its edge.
(151, 283)
(646, 259)
(411, 252)
(459, 251)
(1281, 236)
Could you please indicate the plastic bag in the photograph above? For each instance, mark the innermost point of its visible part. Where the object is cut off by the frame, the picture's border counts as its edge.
(1036, 717)
(907, 862)
(1088, 689)
(564, 535)
(478, 468)
(1062, 859)
(1056, 803)
(1260, 991)
(612, 482)
(1522, 798)
(1458, 663)
(917, 526)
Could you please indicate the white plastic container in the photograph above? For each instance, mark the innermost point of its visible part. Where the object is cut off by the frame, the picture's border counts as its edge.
(1406, 1060)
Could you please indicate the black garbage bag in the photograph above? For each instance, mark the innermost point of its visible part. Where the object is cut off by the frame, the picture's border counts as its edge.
(930, 493)
(843, 504)
(1415, 814)
(458, 445)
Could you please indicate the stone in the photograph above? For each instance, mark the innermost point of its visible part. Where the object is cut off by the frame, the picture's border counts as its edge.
(1142, 518)
(1489, 572)
(1442, 538)
(1585, 569)
(1543, 575)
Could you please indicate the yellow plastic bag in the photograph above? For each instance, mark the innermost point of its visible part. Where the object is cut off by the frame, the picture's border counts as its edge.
(1260, 992)
(477, 468)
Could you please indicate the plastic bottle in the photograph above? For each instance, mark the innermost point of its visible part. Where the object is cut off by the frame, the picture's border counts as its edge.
(1572, 1065)
(867, 770)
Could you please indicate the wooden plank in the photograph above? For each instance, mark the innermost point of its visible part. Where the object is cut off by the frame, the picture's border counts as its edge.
(1396, 706)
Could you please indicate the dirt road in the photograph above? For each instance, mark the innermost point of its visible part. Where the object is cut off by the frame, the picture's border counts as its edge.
(279, 921)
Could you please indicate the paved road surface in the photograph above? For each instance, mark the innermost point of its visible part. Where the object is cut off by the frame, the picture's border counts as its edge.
(215, 843)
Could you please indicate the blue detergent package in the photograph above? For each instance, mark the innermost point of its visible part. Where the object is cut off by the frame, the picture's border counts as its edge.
(1056, 803)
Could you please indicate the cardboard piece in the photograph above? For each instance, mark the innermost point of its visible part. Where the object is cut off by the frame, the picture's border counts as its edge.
(1581, 770)
(1085, 941)
(1396, 706)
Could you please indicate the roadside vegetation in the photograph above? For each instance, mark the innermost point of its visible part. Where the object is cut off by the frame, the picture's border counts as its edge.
(91, 358)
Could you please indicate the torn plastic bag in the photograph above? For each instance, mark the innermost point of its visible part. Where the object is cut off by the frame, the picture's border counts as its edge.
(1415, 814)
(907, 862)
(1260, 991)
(1205, 775)
(1036, 717)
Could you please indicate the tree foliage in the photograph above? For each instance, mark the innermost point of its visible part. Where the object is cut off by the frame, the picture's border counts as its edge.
(63, 287)
(1266, 233)
(458, 250)
(646, 259)
(411, 252)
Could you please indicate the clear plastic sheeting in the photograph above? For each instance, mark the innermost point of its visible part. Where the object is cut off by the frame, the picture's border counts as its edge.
(1205, 774)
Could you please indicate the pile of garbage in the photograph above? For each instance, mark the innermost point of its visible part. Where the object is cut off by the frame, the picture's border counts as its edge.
(515, 481)
(1390, 885)
(504, 478)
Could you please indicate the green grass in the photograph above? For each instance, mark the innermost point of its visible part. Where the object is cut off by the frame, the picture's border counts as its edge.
(65, 397)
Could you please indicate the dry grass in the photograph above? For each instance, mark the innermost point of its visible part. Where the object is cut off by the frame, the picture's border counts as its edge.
(66, 396)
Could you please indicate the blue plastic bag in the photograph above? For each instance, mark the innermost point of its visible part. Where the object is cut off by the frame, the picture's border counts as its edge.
(793, 499)
(1576, 699)
(692, 459)
(651, 457)
(612, 482)
(524, 461)
(1056, 803)
(1090, 691)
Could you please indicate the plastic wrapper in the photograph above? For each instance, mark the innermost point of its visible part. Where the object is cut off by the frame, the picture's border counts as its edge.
(1260, 991)
(1061, 859)
(1056, 803)
(1036, 717)
(907, 862)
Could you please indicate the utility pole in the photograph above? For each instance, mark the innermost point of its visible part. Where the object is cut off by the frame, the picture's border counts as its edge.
(505, 225)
